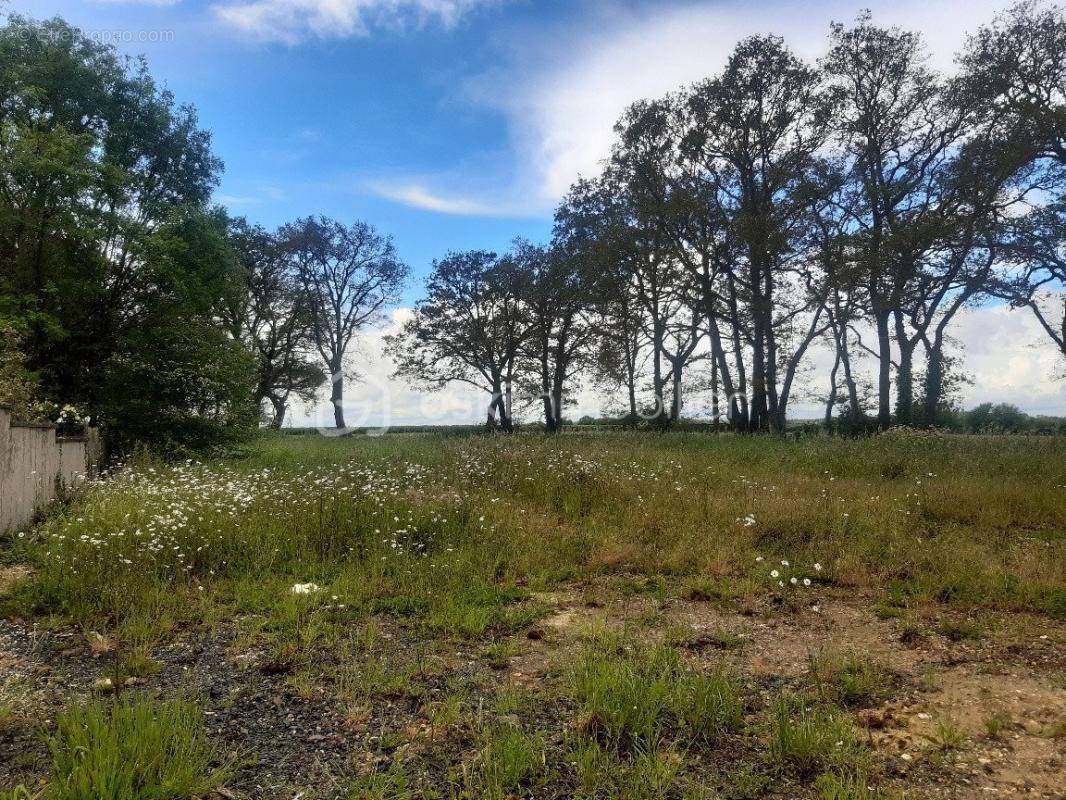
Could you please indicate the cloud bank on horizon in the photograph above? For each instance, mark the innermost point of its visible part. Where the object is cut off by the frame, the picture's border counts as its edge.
(1006, 358)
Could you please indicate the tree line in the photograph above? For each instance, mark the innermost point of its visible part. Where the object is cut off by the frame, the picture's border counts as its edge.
(862, 201)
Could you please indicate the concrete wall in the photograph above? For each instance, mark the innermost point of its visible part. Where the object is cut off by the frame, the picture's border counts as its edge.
(35, 466)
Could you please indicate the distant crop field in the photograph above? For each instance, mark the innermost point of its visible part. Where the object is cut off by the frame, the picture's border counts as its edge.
(603, 615)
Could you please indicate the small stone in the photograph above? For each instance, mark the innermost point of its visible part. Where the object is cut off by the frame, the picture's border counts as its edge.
(103, 685)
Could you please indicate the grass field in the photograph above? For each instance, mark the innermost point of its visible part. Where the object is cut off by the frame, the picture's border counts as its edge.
(604, 615)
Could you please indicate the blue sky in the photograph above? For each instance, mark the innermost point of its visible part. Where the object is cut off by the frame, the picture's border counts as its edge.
(454, 124)
(447, 123)
(333, 124)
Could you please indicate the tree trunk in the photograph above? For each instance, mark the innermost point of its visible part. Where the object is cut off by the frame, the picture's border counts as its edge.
(675, 401)
(631, 374)
(490, 413)
(757, 420)
(934, 377)
(557, 402)
(775, 403)
(830, 403)
(904, 375)
(714, 393)
(849, 379)
(757, 413)
(336, 395)
(550, 420)
(657, 372)
(738, 404)
(508, 422)
(280, 406)
(884, 371)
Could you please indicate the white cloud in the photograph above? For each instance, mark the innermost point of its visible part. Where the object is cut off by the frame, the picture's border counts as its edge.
(236, 200)
(293, 21)
(561, 89)
(562, 99)
(418, 196)
(374, 400)
(260, 194)
(160, 3)
(1011, 359)
(1004, 352)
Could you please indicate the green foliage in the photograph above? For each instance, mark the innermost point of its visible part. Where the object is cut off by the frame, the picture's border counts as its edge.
(423, 547)
(998, 723)
(960, 630)
(178, 379)
(947, 734)
(709, 589)
(998, 418)
(389, 785)
(17, 383)
(180, 387)
(135, 749)
(601, 773)
(846, 786)
(499, 654)
(113, 272)
(247, 539)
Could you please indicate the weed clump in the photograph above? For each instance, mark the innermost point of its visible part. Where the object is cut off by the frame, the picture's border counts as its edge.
(136, 749)
(630, 698)
(808, 740)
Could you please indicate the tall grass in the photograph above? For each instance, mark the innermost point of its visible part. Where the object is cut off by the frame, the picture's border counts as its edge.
(632, 697)
(444, 530)
(137, 749)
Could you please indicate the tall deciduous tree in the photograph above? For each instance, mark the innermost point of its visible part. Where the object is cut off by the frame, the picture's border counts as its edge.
(177, 377)
(556, 299)
(590, 224)
(896, 132)
(755, 131)
(469, 328)
(1014, 70)
(113, 267)
(1034, 249)
(640, 172)
(350, 274)
(273, 317)
(1017, 67)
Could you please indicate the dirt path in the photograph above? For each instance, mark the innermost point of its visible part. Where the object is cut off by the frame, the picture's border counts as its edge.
(1000, 699)
(975, 718)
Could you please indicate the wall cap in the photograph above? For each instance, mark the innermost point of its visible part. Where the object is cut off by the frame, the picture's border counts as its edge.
(47, 426)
